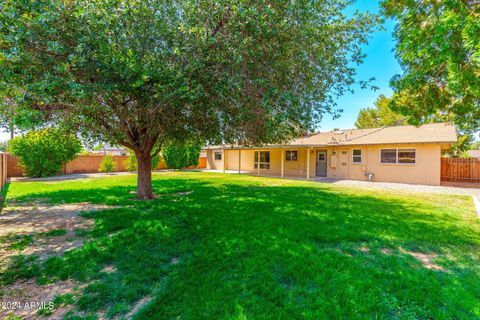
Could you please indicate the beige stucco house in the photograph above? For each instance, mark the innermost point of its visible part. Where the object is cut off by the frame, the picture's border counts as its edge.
(405, 154)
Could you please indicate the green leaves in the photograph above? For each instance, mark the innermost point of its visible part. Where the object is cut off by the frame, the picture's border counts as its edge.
(138, 72)
(229, 70)
(438, 45)
(107, 164)
(43, 153)
(180, 155)
(380, 116)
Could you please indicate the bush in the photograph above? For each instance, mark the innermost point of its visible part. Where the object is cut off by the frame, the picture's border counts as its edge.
(179, 155)
(131, 163)
(155, 161)
(107, 165)
(44, 152)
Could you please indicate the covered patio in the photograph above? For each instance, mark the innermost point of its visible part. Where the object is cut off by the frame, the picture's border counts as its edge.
(304, 163)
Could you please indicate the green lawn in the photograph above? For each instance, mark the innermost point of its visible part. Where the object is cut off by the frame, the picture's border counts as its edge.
(241, 247)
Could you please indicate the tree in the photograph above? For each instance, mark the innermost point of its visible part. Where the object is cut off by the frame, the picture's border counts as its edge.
(107, 164)
(438, 49)
(384, 115)
(137, 73)
(15, 118)
(475, 145)
(3, 146)
(179, 155)
(44, 152)
(131, 162)
(380, 115)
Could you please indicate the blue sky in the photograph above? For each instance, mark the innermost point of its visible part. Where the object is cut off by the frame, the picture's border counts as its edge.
(379, 63)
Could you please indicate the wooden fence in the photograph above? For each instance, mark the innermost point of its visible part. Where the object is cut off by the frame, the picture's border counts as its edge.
(455, 169)
(3, 170)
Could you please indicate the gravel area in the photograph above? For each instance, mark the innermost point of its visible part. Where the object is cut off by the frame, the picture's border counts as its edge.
(402, 187)
(406, 187)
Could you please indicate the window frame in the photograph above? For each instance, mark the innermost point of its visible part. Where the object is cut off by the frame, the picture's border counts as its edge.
(405, 149)
(396, 157)
(291, 151)
(215, 155)
(354, 155)
(265, 164)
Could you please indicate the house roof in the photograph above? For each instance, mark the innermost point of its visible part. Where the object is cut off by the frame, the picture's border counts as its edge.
(474, 153)
(428, 133)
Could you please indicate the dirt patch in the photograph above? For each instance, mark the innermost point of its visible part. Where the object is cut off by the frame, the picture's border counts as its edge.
(140, 303)
(364, 249)
(109, 269)
(386, 251)
(27, 298)
(36, 219)
(176, 194)
(426, 259)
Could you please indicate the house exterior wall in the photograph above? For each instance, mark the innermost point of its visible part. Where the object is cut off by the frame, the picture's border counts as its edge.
(426, 170)
(340, 165)
(211, 162)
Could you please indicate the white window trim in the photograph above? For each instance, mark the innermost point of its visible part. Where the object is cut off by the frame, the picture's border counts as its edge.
(255, 161)
(361, 157)
(215, 153)
(290, 160)
(396, 163)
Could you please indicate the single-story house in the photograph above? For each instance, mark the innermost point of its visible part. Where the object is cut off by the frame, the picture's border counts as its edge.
(404, 154)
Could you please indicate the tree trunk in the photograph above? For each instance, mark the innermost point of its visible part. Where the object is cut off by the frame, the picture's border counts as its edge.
(12, 130)
(144, 176)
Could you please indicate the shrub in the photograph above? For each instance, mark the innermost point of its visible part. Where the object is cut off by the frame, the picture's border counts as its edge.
(107, 164)
(155, 161)
(43, 152)
(179, 155)
(131, 162)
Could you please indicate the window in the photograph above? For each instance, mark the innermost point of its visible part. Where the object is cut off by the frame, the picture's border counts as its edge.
(218, 155)
(264, 160)
(291, 155)
(398, 156)
(357, 156)
(388, 156)
(406, 155)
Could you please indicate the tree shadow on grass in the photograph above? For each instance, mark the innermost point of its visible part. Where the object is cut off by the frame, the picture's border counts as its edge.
(269, 252)
(3, 196)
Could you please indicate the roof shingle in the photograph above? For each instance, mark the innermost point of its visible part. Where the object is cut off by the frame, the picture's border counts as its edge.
(427, 133)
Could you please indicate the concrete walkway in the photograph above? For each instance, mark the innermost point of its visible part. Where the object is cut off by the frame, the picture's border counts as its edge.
(74, 176)
(370, 184)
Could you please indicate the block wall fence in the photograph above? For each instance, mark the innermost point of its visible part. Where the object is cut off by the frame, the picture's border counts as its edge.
(82, 164)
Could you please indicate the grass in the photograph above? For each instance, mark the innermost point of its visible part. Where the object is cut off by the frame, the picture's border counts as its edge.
(241, 247)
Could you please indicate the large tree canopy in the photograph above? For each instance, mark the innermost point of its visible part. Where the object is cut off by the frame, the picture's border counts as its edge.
(140, 72)
(438, 46)
(381, 115)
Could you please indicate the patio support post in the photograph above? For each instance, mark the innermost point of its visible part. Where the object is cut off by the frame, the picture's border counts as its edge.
(258, 163)
(281, 162)
(224, 162)
(308, 163)
(239, 161)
